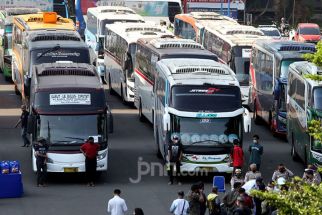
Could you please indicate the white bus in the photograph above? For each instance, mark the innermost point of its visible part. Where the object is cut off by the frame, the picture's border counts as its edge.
(151, 10)
(200, 100)
(119, 54)
(97, 19)
(149, 51)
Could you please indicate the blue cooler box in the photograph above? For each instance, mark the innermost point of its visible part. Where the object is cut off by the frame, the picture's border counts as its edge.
(11, 183)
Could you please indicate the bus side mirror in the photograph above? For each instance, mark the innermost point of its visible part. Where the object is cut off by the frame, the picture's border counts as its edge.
(31, 124)
(247, 121)
(166, 122)
(109, 122)
(27, 82)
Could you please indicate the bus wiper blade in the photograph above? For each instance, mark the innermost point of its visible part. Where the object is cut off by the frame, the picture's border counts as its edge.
(48, 50)
(203, 141)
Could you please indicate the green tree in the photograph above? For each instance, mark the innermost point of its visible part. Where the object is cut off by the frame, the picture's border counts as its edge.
(315, 58)
(300, 199)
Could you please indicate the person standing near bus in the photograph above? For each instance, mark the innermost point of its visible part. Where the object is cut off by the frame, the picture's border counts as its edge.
(174, 158)
(237, 156)
(41, 149)
(24, 123)
(89, 150)
(256, 152)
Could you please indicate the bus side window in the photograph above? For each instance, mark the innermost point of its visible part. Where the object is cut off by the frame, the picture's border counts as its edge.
(309, 96)
(299, 93)
(178, 27)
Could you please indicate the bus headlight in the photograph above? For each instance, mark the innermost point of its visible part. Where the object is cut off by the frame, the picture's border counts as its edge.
(49, 160)
(227, 159)
(101, 156)
(131, 88)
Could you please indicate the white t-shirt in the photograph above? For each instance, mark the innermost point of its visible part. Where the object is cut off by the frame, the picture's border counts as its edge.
(116, 206)
(179, 207)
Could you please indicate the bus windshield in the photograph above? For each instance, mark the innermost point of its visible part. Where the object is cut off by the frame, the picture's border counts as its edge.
(58, 129)
(207, 132)
(284, 67)
(271, 32)
(318, 98)
(75, 55)
(197, 98)
(240, 64)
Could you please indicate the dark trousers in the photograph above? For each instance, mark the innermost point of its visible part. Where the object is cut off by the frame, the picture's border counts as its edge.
(171, 171)
(90, 168)
(41, 171)
(25, 139)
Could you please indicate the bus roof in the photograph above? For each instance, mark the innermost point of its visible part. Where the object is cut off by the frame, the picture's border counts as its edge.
(286, 49)
(305, 67)
(192, 69)
(36, 22)
(131, 32)
(8, 13)
(100, 10)
(120, 16)
(66, 75)
(175, 48)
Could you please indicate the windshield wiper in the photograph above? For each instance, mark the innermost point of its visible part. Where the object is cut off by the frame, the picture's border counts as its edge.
(75, 138)
(48, 50)
(203, 141)
(65, 142)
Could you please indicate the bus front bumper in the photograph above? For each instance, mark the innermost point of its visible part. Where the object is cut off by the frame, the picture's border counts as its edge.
(205, 168)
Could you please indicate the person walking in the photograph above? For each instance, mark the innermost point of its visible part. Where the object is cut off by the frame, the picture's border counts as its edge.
(237, 156)
(174, 158)
(241, 208)
(116, 205)
(282, 172)
(252, 174)
(203, 203)
(179, 206)
(256, 152)
(236, 177)
(213, 202)
(248, 201)
(41, 149)
(195, 200)
(230, 198)
(24, 123)
(89, 150)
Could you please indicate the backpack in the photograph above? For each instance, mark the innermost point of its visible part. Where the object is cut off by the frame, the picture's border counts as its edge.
(214, 208)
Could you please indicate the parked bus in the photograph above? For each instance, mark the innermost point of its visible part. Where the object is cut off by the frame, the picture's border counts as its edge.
(223, 36)
(200, 100)
(119, 54)
(97, 19)
(149, 51)
(270, 60)
(6, 19)
(68, 105)
(304, 104)
(151, 10)
(234, 9)
(65, 8)
(33, 37)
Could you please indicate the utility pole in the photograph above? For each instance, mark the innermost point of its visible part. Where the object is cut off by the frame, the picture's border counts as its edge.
(221, 7)
(293, 13)
(228, 8)
(245, 12)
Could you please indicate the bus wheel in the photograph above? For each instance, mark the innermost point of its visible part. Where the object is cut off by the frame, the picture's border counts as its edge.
(271, 125)
(141, 116)
(110, 85)
(293, 152)
(16, 90)
(257, 120)
(159, 155)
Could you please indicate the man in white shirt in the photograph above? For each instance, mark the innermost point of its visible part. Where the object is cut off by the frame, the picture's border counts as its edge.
(179, 206)
(116, 205)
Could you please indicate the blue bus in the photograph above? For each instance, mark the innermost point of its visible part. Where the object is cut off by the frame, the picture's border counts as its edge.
(270, 60)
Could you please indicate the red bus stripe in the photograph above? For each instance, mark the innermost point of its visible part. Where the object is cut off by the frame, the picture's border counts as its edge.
(144, 77)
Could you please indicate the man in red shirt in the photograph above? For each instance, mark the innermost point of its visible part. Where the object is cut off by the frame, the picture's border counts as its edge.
(90, 149)
(237, 156)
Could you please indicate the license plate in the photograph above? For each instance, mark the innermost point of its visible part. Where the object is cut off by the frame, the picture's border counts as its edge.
(206, 169)
(70, 169)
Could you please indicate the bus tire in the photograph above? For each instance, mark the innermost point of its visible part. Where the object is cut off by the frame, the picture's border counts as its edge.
(122, 95)
(257, 120)
(158, 152)
(271, 127)
(294, 155)
(141, 116)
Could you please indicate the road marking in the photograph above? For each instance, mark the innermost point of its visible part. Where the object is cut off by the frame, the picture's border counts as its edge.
(6, 88)
(124, 111)
(10, 111)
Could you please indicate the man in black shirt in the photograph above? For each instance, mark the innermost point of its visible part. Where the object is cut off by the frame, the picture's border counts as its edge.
(174, 157)
(24, 122)
(41, 149)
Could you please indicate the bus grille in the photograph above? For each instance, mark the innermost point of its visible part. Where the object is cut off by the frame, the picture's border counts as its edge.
(66, 72)
(202, 70)
(55, 37)
(297, 48)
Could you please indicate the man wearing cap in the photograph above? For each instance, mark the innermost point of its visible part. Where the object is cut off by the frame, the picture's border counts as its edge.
(24, 122)
(41, 149)
(179, 206)
(174, 157)
(90, 150)
(311, 175)
(237, 177)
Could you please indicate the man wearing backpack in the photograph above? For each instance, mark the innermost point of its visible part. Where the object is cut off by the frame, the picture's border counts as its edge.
(213, 202)
(180, 206)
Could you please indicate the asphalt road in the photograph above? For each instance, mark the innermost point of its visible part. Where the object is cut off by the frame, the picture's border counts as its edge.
(131, 141)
